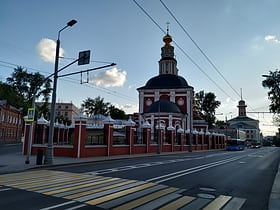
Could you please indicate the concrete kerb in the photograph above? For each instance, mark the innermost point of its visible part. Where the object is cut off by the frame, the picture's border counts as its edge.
(274, 200)
(104, 158)
(110, 158)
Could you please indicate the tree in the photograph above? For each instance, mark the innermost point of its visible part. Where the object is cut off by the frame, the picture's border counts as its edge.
(98, 106)
(8, 93)
(117, 113)
(206, 106)
(26, 84)
(95, 106)
(272, 82)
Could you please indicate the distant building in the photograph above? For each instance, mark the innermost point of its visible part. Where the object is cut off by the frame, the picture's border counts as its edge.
(67, 110)
(11, 122)
(247, 124)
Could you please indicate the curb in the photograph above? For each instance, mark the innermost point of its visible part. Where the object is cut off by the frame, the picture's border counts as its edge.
(274, 200)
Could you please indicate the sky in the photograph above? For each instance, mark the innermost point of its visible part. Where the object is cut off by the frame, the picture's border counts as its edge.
(241, 39)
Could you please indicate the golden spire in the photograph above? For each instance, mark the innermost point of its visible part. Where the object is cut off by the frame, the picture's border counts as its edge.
(167, 38)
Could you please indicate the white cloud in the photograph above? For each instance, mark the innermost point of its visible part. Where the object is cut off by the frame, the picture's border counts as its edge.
(271, 38)
(46, 50)
(110, 78)
(128, 108)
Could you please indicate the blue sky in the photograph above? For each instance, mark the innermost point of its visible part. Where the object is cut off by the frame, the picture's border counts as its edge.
(242, 39)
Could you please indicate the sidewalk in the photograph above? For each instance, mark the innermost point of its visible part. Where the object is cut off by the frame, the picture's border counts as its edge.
(15, 162)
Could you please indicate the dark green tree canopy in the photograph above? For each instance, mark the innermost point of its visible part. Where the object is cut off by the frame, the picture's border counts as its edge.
(206, 106)
(98, 106)
(27, 84)
(272, 82)
(20, 87)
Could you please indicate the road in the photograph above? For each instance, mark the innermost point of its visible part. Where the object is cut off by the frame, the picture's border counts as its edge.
(209, 179)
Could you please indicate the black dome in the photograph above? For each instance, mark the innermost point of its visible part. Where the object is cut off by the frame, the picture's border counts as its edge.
(166, 81)
(163, 106)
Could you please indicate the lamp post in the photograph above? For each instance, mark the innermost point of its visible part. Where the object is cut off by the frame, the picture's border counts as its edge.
(49, 152)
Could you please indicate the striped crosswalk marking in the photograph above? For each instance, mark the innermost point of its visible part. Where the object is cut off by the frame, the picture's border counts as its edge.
(145, 199)
(119, 194)
(110, 193)
(178, 203)
(218, 203)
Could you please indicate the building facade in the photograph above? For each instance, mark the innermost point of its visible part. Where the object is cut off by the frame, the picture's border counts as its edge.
(166, 101)
(11, 123)
(66, 110)
(246, 124)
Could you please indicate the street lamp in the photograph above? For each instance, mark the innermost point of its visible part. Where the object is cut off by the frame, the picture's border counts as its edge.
(49, 152)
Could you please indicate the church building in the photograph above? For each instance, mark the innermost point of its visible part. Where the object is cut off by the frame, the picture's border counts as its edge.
(246, 124)
(166, 101)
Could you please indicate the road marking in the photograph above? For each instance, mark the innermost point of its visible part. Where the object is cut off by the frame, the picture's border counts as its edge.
(178, 203)
(130, 167)
(235, 203)
(58, 205)
(124, 199)
(177, 174)
(76, 207)
(218, 203)
(145, 199)
(118, 193)
(5, 189)
(78, 186)
(77, 195)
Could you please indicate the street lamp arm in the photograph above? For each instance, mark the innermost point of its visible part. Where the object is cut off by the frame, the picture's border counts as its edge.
(88, 70)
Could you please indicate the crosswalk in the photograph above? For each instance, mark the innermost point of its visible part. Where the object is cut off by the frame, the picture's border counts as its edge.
(111, 193)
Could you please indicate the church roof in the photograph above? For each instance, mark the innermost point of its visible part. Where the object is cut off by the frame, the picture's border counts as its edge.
(170, 81)
(163, 106)
(241, 118)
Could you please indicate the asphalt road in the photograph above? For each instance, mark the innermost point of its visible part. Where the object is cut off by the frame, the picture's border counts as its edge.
(245, 178)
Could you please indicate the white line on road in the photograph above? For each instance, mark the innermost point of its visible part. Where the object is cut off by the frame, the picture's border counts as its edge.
(58, 205)
(177, 174)
(1, 190)
(76, 207)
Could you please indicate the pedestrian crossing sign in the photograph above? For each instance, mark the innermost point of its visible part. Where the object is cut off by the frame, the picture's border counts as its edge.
(30, 114)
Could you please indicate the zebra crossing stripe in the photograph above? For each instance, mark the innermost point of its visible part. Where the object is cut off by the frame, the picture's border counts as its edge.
(78, 186)
(145, 199)
(178, 203)
(110, 193)
(89, 192)
(119, 194)
(218, 203)
(235, 203)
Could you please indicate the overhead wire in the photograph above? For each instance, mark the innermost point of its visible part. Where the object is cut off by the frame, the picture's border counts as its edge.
(72, 80)
(201, 51)
(182, 50)
(199, 48)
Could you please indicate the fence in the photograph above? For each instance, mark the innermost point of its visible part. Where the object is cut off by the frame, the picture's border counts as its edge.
(82, 140)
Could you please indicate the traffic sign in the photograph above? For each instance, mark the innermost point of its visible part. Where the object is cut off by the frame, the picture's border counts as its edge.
(30, 115)
(84, 57)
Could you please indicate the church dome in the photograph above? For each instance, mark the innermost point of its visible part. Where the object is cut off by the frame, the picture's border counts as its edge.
(163, 106)
(166, 81)
(167, 39)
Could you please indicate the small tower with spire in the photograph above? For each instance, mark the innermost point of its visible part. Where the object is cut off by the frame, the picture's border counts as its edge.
(241, 107)
(167, 63)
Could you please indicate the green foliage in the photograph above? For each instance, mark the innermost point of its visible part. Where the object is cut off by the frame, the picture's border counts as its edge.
(272, 82)
(98, 106)
(117, 113)
(276, 141)
(206, 106)
(21, 87)
(8, 93)
(62, 119)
